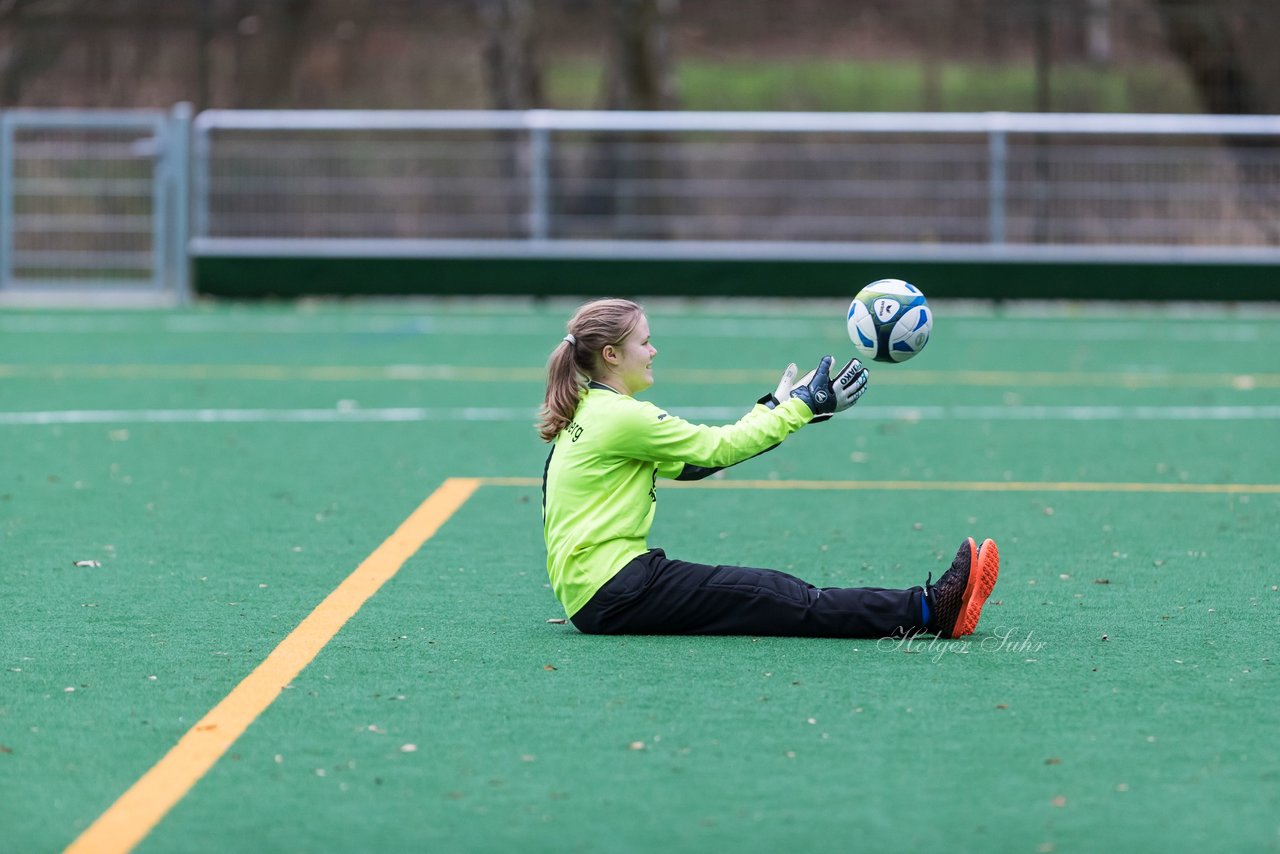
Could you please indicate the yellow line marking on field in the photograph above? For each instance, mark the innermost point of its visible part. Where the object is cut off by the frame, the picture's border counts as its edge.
(947, 486)
(510, 481)
(141, 808)
(682, 376)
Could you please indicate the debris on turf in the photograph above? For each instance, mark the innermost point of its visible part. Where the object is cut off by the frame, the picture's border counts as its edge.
(89, 563)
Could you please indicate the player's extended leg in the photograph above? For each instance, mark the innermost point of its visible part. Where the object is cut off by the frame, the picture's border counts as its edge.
(657, 595)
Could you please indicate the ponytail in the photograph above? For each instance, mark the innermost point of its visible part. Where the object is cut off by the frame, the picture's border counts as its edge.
(593, 326)
(564, 390)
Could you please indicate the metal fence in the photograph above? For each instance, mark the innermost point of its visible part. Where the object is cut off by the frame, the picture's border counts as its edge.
(93, 199)
(722, 184)
(100, 198)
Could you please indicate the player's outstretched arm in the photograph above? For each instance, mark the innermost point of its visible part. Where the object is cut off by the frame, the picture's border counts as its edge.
(771, 400)
(783, 391)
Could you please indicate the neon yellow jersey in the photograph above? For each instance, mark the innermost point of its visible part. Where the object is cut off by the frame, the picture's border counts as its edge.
(599, 490)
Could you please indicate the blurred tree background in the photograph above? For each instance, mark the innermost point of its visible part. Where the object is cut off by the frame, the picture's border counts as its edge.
(1211, 56)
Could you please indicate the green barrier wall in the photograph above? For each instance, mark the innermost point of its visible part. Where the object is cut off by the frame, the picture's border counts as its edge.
(292, 277)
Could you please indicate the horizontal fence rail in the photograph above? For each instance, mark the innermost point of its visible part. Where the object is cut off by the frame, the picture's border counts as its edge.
(775, 185)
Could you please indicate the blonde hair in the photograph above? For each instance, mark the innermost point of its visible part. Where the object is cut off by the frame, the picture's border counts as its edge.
(594, 326)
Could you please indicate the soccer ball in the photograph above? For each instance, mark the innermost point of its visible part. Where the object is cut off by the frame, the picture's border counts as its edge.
(889, 321)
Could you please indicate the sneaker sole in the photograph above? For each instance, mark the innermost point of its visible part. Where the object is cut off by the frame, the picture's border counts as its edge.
(971, 584)
(983, 572)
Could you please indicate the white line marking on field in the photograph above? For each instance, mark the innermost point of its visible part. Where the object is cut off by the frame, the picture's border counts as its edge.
(707, 413)
(784, 325)
(534, 326)
(1131, 379)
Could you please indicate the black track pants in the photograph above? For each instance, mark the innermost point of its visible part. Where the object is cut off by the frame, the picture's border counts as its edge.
(656, 595)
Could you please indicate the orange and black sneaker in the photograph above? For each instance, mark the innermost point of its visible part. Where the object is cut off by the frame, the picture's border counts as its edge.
(955, 602)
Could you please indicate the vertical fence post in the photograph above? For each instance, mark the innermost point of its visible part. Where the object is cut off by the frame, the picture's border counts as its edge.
(997, 167)
(200, 167)
(539, 176)
(178, 150)
(6, 201)
(156, 151)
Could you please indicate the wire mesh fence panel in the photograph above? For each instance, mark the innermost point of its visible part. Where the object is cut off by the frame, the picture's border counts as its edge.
(760, 187)
(660, 180)
(83, 206)
(1169, 192)
(356, 184)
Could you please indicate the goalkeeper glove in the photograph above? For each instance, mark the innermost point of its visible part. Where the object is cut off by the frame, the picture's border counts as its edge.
(783, 391)
(825, 396)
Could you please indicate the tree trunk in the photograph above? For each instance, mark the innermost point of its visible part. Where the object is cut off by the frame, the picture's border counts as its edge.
(1201, 37)
(270, 40)
(513, 81)
(1228, 49)
(204, 27)
(638, 70)
(27, 50)
(638, 75)
(512, 76)
(1042, 230)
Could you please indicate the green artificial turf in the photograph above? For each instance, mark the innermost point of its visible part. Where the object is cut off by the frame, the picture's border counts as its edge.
(1119, 694)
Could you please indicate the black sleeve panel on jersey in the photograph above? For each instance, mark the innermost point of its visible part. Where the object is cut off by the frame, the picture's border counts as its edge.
(546, 468)
(692, 472)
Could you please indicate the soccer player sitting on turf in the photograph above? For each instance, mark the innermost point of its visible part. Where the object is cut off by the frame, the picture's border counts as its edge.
(599, 495)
